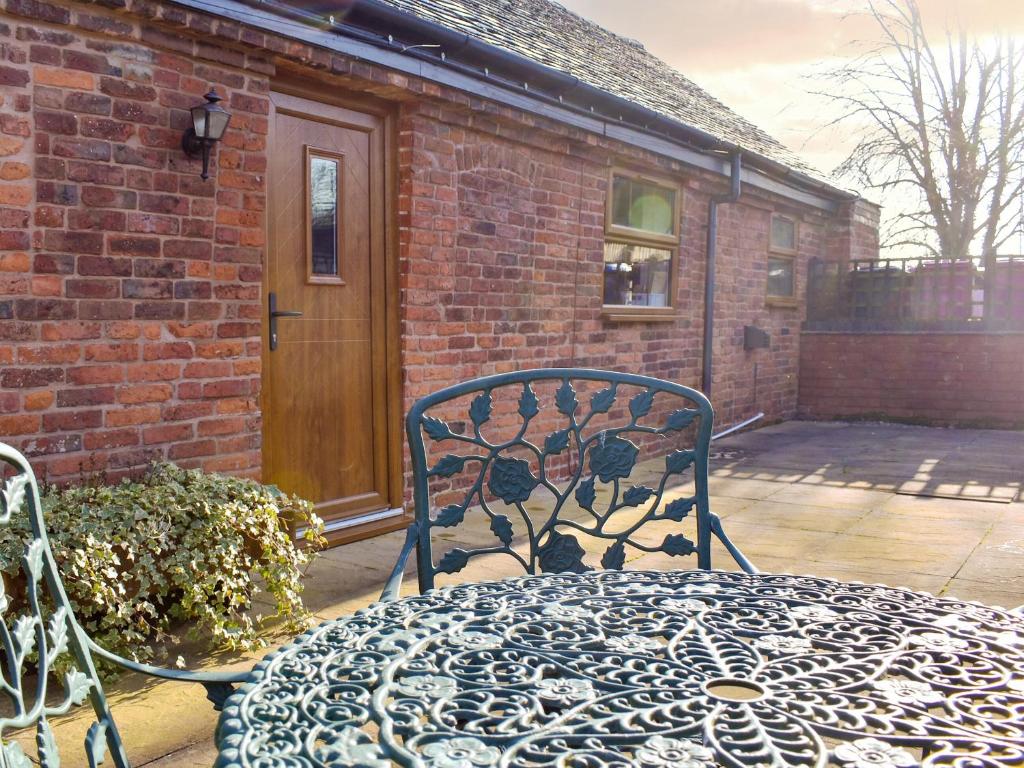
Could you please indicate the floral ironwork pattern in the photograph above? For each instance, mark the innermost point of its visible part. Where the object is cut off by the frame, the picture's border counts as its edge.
(598, 457)
(38, 636)
(619, 668)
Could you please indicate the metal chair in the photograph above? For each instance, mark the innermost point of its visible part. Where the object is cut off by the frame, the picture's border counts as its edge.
(52, 634)
(494, 451)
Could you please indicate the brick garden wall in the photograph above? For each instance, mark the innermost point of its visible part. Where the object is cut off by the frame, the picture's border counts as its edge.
(130, 290)
(969, 379)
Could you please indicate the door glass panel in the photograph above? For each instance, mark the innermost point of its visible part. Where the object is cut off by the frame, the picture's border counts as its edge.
(323, 215)
(637, 276)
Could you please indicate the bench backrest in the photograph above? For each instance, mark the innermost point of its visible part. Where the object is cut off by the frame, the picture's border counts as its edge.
(547, 457)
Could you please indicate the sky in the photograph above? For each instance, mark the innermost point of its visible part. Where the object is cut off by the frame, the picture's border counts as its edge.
(759, 56)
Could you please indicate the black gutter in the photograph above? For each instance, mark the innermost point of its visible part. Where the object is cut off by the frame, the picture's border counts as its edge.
(377, 13)
(736, 166)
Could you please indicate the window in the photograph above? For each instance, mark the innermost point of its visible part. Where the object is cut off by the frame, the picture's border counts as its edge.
(637, 275)
(782, 244)
(642, 237)
(323, 229)
(783, 234)
(780, 277)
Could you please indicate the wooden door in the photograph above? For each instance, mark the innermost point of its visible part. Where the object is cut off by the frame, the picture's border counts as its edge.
(327, 373)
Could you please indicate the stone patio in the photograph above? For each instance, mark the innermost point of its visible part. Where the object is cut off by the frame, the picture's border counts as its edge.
(864, 502)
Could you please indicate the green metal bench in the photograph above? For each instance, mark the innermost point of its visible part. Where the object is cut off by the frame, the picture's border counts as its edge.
(52, 635)
(589, 446)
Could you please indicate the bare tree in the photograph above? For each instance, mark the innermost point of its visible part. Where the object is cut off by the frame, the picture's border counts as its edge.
(940, 125)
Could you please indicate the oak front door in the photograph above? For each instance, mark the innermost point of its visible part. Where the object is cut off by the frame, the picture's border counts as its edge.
(327, 355)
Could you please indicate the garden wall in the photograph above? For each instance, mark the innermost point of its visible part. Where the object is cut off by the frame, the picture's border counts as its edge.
(967, 379)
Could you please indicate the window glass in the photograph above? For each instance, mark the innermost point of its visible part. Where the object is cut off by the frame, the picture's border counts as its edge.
(637, 275)
(323, 203)
(783, 234)
(780, 277)
(643, 206)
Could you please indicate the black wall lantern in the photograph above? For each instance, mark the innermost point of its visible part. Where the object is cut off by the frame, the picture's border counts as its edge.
(209, 122)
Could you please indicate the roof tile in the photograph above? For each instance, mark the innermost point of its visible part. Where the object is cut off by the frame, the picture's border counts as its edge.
(550, 34)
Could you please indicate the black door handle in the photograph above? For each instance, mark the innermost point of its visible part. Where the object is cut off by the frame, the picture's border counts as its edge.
(274, 314)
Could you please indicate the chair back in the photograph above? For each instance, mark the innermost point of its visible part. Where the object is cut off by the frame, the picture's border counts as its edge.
(38, 631)
(551, 460)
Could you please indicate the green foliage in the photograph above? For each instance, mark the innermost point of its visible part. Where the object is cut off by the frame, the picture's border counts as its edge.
(177, 546)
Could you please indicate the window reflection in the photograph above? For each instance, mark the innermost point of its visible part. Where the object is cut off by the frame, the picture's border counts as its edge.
(780, 277)
(323, 203)
(643, 206)
(637, 275)
(783, 233)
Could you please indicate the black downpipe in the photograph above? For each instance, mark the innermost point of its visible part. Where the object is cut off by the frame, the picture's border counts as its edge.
(709, 275)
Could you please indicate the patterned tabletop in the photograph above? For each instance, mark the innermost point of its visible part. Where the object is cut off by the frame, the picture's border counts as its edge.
(686, 669)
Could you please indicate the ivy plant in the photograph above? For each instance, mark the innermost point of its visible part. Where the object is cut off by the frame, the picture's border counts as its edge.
(177, 546)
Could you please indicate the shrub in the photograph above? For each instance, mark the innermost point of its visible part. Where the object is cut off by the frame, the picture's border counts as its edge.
(140, 557)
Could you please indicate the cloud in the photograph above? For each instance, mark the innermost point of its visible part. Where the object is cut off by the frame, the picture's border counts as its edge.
(714, 35)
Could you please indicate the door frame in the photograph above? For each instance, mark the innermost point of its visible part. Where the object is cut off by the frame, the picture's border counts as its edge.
(302, 86)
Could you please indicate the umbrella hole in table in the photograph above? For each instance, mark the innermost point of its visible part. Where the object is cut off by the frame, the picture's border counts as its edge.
(733, 689)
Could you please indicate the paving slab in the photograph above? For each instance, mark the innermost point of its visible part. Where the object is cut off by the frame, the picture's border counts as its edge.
(875, 574)
(741, 488)
(783, 516)
(792, 545)
(949, 509)
(997, 560)
(956, 534)
(830, 498)
(882, 456)
(892, 555)
(989, 593)
(799, 497)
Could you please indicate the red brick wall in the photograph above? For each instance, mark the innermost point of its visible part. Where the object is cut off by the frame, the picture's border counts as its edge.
(746, 382)
(129, 287)
(130, 309)
(502, 248)
(935, 378)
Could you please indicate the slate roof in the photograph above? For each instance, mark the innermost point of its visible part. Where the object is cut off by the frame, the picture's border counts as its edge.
(550, 34)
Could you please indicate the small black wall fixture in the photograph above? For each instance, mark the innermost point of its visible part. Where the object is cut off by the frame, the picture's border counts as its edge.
(209, 121)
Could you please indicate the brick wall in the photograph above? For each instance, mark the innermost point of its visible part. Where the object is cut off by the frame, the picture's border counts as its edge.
(853, 233)
(502, 254)
(130, 309)
(129, 287)
(970, 379)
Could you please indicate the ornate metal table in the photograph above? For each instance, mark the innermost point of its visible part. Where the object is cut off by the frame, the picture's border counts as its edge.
(636, 668)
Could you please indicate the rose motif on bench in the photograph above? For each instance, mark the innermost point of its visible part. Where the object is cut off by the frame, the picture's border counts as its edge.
(511, 480)
(613, 458)
(561, 553)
